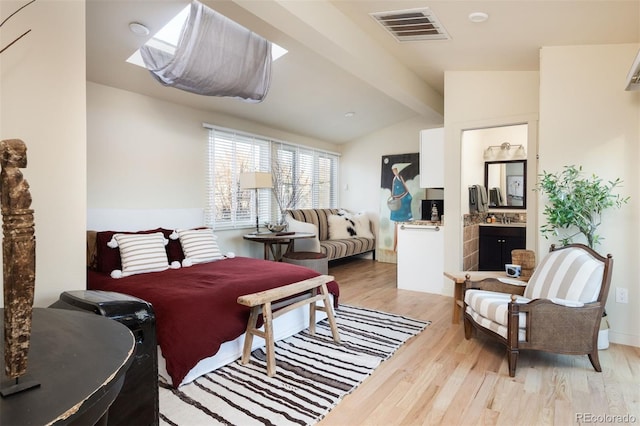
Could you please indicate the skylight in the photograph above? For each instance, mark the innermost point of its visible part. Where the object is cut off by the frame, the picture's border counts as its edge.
(167, 39)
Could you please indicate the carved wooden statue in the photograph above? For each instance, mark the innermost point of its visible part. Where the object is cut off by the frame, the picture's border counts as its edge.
(18, 256)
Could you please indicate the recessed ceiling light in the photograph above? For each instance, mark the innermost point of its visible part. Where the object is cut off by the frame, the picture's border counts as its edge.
(478, 17)
(349, 114)
(138, 29)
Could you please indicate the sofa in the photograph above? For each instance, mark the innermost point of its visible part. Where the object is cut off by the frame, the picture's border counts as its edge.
(340, 233)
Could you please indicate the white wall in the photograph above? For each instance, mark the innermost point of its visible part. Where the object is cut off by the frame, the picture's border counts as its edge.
(361, 163)
(42, 86)
(144, 153)
(475, 100)
(587, 119)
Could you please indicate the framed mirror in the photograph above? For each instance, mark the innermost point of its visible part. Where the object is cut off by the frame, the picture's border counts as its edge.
(506, 183)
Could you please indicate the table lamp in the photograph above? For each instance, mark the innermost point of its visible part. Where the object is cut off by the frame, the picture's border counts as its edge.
(255, 181)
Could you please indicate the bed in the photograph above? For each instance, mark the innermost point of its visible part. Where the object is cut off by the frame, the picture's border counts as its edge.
(199, 324)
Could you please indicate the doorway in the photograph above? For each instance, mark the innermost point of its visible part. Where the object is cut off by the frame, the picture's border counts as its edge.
(496, 143)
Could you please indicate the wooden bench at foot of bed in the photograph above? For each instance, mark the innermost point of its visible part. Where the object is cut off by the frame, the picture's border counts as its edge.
(280, 300)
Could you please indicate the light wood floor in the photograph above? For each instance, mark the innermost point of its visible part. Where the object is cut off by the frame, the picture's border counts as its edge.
(438, 377)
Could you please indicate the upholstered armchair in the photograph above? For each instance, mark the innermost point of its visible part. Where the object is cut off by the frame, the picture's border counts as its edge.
(559, 310)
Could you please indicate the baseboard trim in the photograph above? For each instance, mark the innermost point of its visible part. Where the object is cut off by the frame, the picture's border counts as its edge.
(624, 338)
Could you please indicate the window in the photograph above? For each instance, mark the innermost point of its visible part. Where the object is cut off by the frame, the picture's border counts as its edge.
(307, 176)
(167, 39)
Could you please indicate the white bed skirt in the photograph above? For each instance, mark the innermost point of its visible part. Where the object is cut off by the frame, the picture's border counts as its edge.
(284, 326)
(138, 219)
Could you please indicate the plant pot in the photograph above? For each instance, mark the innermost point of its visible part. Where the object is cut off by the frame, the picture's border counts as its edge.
(603, 334)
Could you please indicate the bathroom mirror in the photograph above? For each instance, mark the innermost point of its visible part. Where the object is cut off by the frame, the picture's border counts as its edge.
(506, 184)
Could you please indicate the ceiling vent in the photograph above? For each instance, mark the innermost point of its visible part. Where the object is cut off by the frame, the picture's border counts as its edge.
(412, 24)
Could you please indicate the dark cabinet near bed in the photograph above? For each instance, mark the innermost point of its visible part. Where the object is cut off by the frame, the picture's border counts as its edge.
(137, 403)
(496, 243)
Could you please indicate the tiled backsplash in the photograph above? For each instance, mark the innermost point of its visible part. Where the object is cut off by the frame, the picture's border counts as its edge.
(470, 248)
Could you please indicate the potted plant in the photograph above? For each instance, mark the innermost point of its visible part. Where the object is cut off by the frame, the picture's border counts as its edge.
(575, 204)
(575, 207)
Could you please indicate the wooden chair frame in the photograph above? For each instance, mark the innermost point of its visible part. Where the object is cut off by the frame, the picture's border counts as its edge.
(549, 327)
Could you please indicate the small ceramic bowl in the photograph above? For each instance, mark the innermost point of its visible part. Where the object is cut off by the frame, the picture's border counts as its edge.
(273, 227)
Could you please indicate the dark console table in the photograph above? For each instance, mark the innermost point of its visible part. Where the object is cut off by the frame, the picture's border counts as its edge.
(80, 361)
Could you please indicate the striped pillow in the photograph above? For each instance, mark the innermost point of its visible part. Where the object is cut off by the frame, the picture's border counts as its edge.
(199, 245)
(571, 274)
(141, 253)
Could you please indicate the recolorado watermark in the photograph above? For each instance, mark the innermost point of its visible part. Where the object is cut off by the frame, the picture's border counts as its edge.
(606, 418)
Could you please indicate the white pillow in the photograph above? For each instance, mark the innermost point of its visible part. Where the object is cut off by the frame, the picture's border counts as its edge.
(363, 228)
(141, 253)
(340, 227)
(567, 303)
(513, 281)
(348, 225)
(199, 246)
(304, 244)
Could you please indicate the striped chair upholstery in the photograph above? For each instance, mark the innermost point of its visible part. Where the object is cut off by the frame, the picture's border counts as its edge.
(560, 309)
(490, 310)
(319, 217)
(570, 275)
(334, 249)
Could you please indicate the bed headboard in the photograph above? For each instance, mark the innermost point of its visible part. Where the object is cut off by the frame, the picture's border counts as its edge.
(92, 250)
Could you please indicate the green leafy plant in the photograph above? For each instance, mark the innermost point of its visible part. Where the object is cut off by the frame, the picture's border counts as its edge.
(576, 204)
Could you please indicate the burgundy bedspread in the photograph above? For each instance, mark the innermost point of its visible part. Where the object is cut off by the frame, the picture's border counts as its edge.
(196, 307)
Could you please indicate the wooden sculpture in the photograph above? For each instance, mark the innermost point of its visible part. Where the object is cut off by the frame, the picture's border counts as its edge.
(18, 256)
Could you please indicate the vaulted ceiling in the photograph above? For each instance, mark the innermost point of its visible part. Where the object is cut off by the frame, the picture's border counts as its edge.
(341, 60)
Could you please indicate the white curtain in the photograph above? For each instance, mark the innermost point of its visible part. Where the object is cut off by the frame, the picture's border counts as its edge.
(216, 57)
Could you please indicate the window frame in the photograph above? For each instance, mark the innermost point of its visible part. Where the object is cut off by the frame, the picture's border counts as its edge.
(222, 177)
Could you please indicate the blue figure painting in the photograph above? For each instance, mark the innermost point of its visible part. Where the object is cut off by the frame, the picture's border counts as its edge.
(400, 199)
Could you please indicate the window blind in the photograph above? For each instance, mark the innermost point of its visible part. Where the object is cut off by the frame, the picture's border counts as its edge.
(304, 177)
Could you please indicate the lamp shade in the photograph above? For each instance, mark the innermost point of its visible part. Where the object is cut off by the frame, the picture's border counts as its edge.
(255, 180)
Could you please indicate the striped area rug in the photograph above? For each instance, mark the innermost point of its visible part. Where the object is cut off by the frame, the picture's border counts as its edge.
(313, 374)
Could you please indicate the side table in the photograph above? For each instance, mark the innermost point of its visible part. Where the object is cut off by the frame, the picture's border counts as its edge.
(80, 360)
(138, 400)
(273, 242)
(459, 279)
(316, 261)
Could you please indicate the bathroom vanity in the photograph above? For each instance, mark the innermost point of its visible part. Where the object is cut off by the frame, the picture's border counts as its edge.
(496, 242)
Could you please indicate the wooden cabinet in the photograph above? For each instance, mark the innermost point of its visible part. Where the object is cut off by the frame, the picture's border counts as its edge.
(496, 243)
(432, 158)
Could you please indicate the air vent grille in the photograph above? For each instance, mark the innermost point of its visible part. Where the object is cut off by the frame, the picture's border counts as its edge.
(412, 25)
